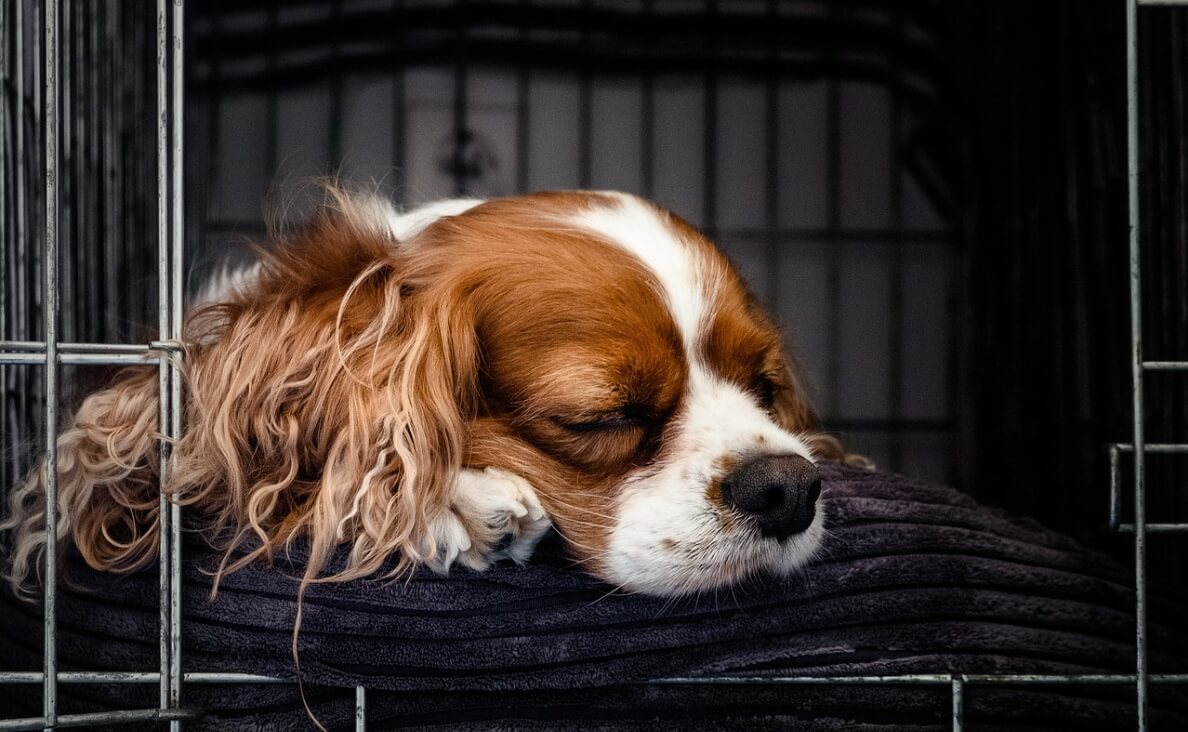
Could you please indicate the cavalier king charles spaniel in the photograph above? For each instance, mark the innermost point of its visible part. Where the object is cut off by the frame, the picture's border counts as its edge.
(444, 386)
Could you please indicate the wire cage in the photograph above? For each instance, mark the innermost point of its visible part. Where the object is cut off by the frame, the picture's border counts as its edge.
(815, 141)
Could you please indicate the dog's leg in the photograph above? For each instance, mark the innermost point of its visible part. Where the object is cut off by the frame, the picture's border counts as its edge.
(495, 515)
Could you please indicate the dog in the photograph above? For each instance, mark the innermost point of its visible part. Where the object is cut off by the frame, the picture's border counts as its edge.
(443, 386)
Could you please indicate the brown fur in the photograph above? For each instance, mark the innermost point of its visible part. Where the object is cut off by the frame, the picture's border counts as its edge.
(336, 400)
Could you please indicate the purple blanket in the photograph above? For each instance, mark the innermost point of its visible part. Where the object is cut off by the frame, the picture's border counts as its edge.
(915, 578)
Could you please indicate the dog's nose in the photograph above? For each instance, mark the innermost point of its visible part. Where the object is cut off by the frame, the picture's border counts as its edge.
(779, 492)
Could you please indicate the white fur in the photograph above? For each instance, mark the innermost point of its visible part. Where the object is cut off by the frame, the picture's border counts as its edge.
(399, 227)
(669, 538)
(405, 226)
(489, 506)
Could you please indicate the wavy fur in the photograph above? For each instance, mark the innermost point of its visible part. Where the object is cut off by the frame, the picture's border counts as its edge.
(299, 419)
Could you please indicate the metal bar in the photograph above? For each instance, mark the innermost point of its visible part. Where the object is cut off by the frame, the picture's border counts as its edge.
(647, 113)
(771, 171)
(229, 678)
(833, 223)
(1165, 365)
(20, 290)
(399, 124)
(1136, 343)
(460, 107)
(895, 333)
(523, 112)
(80, 359)
(788, 234)
(709, 152)
(39, 347)
(96, 718)
(923, 679)
(335, 132)
(1115, 490)
(1164, 448)
(175, 285)
(1155, 528)
(139, 677)
(50, 682)
(958, 691)
(164, 515)
(585, 111)
(360, 708)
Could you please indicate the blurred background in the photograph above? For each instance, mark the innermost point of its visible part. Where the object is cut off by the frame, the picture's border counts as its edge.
(930, 195)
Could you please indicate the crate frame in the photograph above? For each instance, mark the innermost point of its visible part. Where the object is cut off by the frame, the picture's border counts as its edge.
(166, 352)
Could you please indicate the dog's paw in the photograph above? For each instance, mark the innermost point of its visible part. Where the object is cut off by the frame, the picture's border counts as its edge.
(495, 515)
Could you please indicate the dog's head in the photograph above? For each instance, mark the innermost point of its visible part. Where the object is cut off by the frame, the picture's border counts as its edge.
(350, 388)
(607, 352)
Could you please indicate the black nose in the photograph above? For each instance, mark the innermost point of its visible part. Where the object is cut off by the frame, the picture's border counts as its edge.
(778, 492)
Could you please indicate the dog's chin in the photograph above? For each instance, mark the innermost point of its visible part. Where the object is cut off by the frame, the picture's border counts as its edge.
(674, 568)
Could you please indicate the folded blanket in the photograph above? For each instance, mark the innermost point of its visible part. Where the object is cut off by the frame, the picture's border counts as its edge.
(913, 578)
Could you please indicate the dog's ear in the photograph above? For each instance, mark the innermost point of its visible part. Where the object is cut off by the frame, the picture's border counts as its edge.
(795, 413)
(107, 469)
(330, 403)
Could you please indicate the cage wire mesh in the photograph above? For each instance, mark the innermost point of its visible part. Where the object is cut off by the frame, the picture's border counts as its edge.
(811, 139)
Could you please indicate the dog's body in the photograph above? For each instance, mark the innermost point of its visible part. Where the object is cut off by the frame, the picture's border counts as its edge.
(445, 384)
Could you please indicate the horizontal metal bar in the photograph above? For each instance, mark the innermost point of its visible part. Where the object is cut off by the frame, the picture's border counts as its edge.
(83, 359)
(1166, 448)
(1154, 528)
(785, 234)
(212, 678)
(33, 352)
(96, 718)
(136, 677)
(924, 679)
(1166, 365)
(108, 348)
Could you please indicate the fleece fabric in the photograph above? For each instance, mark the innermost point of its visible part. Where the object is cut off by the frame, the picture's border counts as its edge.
(913, 578)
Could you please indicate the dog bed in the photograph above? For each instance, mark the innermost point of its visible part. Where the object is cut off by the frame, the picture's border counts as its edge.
(913, 578)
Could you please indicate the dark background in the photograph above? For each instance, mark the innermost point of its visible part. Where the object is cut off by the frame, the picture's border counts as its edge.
(929, 195)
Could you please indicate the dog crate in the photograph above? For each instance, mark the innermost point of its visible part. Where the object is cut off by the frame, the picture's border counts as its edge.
(816, 142)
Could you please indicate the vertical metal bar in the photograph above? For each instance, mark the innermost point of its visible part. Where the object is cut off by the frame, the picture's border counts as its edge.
(585, 107)
(50, 681)
(111, 215)
(523, 115)
(957, 686)
(176, 281)
(771, 185)
(5, 228)
(895, 295)
(94, 185)
(833, 225)
(336, 73)
(399, 123)
(1115, 490)
(1136, 352)
(20, 292)
(647, 111)
(360, 709)
(164, 515)
(709, 151)
(458, 153)
(271, 123)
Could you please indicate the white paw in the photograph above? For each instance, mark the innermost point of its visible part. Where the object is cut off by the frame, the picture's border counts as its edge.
(495, 515)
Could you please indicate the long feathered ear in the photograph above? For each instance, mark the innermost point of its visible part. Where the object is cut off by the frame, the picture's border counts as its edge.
(331, 403)
(794, 413)
(328, 401)
(107, 484)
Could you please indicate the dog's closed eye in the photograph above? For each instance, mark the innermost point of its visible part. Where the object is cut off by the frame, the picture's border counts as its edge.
(631, 416)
